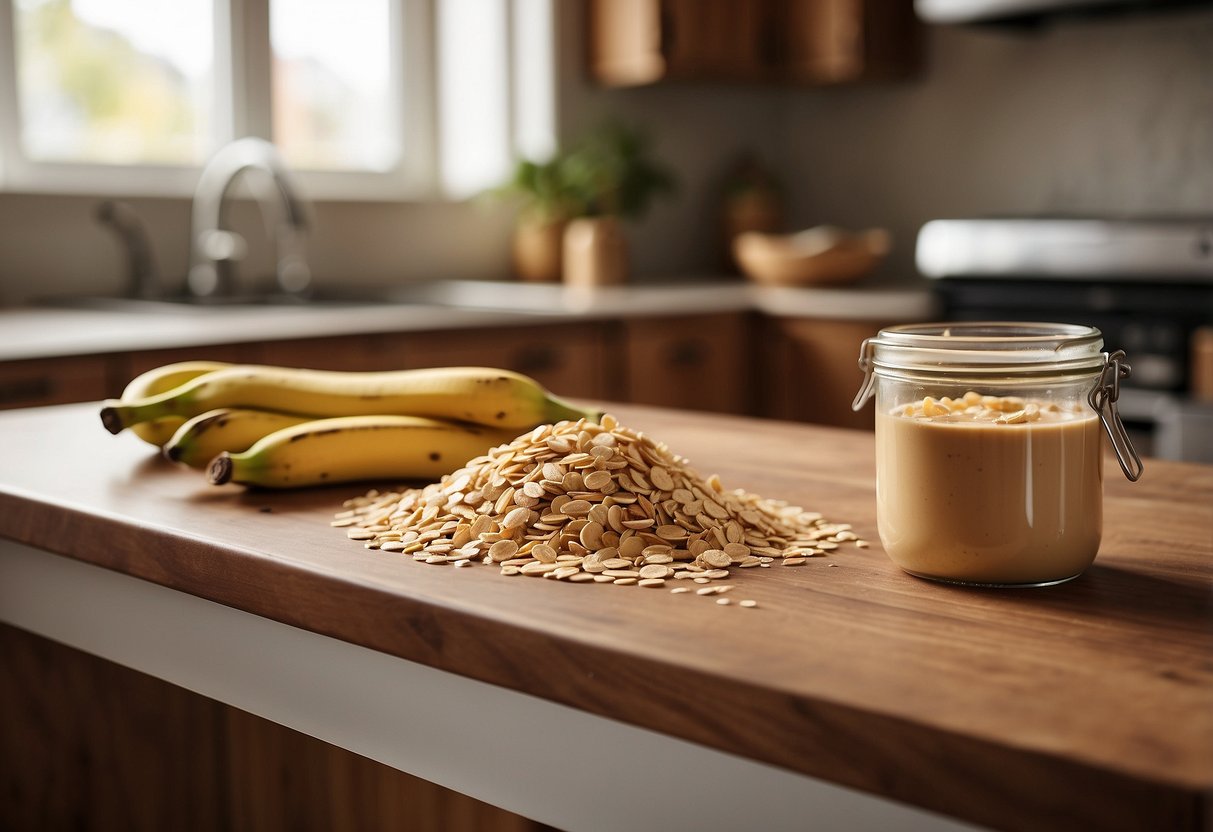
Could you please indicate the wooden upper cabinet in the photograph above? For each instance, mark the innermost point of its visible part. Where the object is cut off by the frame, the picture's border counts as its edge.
(637, 42)
(838, 41)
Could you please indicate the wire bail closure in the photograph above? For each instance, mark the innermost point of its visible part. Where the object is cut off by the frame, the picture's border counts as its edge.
(869, 378)
(1103, 398)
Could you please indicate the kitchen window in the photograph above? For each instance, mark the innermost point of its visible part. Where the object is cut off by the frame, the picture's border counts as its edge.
(366, 99)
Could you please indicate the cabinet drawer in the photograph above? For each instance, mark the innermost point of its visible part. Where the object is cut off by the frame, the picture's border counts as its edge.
(140, 362)
(54, 381)
(568, 359)
(812, 373)
(350, 353)
(697, 363)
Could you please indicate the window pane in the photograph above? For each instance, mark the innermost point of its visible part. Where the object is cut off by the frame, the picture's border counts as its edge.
(115, 81)
(473, 94)
(333, 102)
(534, 80)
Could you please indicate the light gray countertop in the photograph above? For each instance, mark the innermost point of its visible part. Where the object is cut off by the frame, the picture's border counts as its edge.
(69, 329)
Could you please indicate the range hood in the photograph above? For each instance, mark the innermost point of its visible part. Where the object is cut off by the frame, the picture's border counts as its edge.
(1029, 11)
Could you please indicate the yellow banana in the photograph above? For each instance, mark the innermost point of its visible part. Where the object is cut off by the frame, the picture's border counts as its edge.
(158, 431)
(349, 448)
(202, 438)
(480, 395)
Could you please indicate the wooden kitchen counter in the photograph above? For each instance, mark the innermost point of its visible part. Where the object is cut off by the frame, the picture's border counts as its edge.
(1086, 705)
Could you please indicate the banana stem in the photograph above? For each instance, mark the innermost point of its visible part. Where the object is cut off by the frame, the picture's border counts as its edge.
(558, 410)
(220, 469)
(113, 418)
(117, 415)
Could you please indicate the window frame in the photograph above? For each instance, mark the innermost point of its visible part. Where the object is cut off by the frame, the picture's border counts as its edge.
(242, 107)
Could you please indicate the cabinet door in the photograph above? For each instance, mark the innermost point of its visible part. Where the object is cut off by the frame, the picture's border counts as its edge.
(348, 353)
(99, 746)
(837, 41)
(811, 371)
(719, 39)
(140, 362)
(635, 42)
(697, 363)
(47, 381)
(568, 359)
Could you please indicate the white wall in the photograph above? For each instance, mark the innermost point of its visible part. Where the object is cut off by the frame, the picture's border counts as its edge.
(1104, 117)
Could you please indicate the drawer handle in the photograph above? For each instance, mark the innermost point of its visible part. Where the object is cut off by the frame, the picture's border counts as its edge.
(26, 389)
(536, 360)
(686, 354)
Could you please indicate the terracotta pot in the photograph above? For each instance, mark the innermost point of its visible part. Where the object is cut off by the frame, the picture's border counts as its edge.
(538, 250)
(595, 252)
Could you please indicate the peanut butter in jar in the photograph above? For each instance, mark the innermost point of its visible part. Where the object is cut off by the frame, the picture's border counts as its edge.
(989, 448)
(990, 490)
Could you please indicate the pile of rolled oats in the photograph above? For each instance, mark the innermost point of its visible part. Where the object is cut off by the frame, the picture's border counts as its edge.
(585, 502)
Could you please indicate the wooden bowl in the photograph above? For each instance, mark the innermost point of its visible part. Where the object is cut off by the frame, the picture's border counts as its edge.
(820, 256)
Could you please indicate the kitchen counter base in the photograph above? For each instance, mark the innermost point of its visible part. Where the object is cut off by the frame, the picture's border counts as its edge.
(536, 758)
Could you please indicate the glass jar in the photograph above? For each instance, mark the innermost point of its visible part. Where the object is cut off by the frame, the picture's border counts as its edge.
(989, 465)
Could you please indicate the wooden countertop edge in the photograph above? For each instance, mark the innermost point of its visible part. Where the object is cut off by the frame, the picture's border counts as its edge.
(872, 752)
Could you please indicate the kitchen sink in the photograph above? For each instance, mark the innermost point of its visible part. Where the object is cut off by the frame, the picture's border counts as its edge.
(457, 294)
(530, 298)
(188, 305)
(484, 295)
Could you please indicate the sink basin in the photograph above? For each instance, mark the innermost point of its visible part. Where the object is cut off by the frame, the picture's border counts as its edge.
(184, 305)
(459, 294)
(559, 299)
(530, 298)
(485, 295)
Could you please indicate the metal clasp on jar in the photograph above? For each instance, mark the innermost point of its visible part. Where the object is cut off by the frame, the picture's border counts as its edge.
(869, 378)
(1103, 398)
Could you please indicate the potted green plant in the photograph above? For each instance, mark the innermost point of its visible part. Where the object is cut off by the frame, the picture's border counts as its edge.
(616, 179)
(547, 203)
(571, 206)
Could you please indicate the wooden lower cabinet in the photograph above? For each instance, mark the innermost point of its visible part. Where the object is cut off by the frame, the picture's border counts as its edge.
(785, 368)
(368, 353)
(140, 362)
(696, 363)
(89, 745)
(569, 359)
(47, 381)
(810, 370)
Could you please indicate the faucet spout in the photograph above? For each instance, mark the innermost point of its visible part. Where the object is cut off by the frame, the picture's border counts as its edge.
(214, 249)
(143, 279)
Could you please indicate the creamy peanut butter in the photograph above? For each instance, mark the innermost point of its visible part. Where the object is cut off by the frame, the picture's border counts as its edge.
(989, 490)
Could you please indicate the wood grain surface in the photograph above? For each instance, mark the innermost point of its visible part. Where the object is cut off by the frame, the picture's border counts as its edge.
(98, 746)
(1087, 705)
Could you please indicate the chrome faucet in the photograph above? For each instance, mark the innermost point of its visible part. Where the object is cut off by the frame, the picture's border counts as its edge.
(143, 279)
(215, 250)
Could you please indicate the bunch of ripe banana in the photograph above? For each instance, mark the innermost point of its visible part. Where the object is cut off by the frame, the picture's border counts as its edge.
(280, 427)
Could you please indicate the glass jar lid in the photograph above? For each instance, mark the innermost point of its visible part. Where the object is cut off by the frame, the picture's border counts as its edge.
(986, 348)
